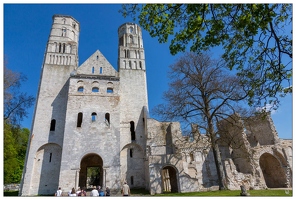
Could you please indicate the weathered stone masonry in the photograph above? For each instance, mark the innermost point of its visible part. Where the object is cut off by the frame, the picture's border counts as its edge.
(95, 117)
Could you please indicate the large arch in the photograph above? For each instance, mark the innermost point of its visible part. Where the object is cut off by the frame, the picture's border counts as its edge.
(169, 179)
(132, 165)
(91, 171)
(273, 171)
(46, 169)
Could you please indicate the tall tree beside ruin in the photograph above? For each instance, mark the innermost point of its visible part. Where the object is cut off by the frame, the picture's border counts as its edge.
(202, 91)
(256, 39)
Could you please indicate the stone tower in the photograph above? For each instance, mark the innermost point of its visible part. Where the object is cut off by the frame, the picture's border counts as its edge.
(134, 103)
(60, 59)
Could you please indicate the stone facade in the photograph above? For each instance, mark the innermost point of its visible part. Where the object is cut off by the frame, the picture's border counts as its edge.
(91, 126)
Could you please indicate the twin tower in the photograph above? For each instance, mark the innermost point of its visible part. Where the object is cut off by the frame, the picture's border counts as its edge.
(89, 124)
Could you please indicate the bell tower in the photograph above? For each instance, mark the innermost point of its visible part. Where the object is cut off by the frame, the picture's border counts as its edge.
(43, 159)
(133, 101)
(130, 48)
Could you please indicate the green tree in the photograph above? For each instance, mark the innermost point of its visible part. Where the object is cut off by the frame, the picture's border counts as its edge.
(203, 92)
(15, 144)
(256, 39)
(15, 139)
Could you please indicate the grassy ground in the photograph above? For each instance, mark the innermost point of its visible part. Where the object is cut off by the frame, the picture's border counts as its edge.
(229, 193)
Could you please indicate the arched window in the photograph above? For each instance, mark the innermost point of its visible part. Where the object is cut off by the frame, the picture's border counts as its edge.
(93, 70)
(95, 89)
(93, 116)
(79, 119)
(135, 64)
(131, 39)
(128, 53)
(64, 47)
(80, 89)
(109, 90)
(52, 125)
(130, 64)
(140, 64)
(107, 118)
(132, 130)
(131, 29)
(60, 47)
(101, 70)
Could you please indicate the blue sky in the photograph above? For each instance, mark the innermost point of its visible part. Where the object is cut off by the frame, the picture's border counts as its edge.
(26, 28)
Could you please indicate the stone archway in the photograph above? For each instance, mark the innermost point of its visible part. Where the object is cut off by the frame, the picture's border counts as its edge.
(274, 174)
(169, 179)
(91, 171)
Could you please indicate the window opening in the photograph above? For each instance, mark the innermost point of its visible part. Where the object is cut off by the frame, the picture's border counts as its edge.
(60, 47)
(132, 180)
(79, 119)
(140, 64)
(95, 89)
(101, 70)
(130, 64)
(132, 129)
(131, 29)
(50, 155)
(97, 57)
(52, 125)
(93, 70)
(109, 90)
(80, 89)
(93, 116)
(131, 39)
(64, 47)
(107, 118)
(131, 153)
(191, 157)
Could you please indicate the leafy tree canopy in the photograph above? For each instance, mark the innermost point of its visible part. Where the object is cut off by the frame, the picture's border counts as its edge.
(256, 39)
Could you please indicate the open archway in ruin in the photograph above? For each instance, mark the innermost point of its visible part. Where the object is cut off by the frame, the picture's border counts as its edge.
(91, 171)
(273, 172)
(169, 179)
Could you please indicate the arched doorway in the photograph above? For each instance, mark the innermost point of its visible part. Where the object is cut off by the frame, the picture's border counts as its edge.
(169, 179)
(273, 172)
(91, 171)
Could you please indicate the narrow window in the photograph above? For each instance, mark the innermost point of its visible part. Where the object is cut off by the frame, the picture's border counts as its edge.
(130, 64)
(107, 118)
(131, 39)
(64, 47)
(131, 153)
(93, 116)
(101, 70)
(97, 57)
(79, 119)
(60, 48)
(128, 54)
(131, 29)
(140, 64)
(50, 155)
(93, 70)
(125, 53)
(52, 125)
(109, 90)
(132, 180)
(135, 64)
(132, 129)
(191, 157)
(95, 89)
(80, 89)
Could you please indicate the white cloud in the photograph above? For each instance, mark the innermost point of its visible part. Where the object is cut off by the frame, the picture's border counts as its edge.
(266, 108)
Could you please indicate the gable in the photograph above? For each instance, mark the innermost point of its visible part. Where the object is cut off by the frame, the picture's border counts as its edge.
(97, 64)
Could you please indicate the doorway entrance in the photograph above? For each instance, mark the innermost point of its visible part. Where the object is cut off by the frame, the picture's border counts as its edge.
(169, 179)
(91, 171)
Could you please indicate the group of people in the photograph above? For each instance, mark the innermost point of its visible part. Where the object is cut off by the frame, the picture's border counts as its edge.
(96, 191)
(99, 192)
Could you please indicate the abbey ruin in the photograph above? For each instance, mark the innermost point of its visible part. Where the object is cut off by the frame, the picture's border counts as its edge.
(93, 118)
